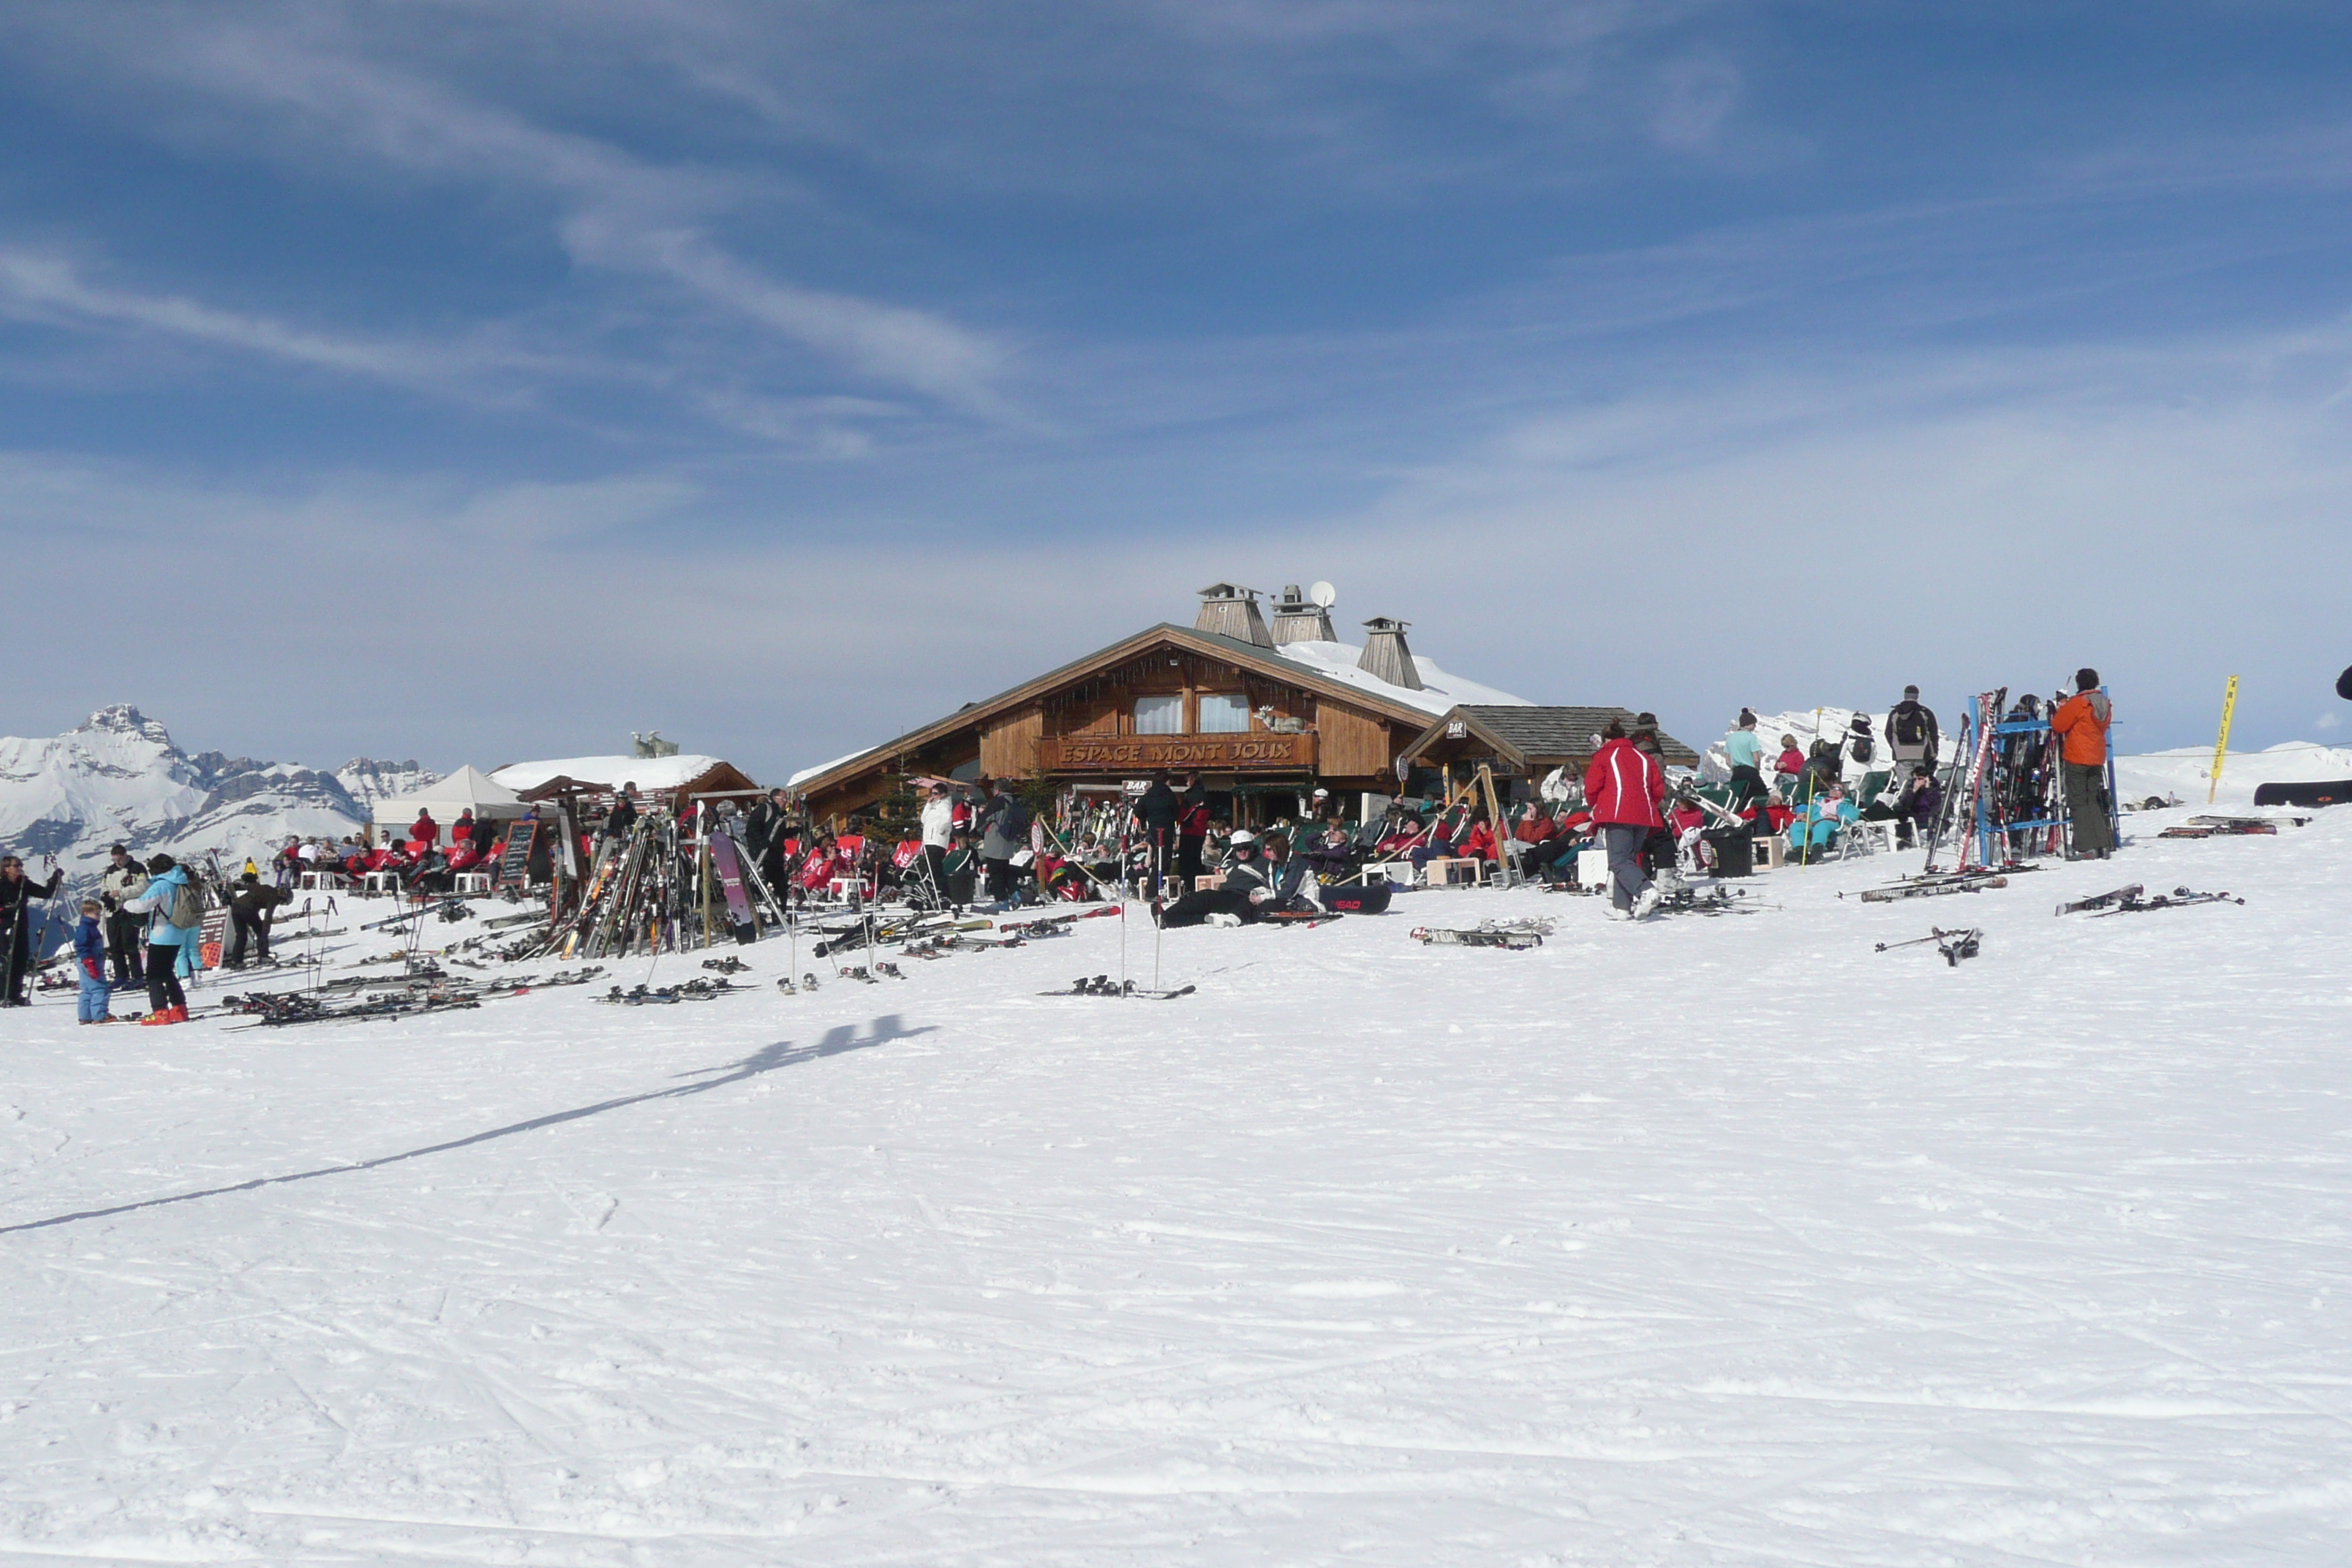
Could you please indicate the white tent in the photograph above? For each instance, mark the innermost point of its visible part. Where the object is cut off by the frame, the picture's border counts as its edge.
(467, 789)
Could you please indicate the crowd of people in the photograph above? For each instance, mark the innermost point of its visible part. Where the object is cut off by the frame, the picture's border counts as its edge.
(988, 845)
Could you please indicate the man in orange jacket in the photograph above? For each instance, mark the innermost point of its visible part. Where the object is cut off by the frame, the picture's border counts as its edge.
(2081, 724)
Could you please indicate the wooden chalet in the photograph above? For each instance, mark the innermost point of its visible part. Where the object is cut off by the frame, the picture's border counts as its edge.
(1262, 715)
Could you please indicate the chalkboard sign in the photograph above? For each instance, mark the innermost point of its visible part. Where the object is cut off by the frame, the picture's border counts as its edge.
(514, 866)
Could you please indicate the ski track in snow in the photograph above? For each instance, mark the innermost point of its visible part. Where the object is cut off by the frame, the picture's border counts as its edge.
(1705, 1241)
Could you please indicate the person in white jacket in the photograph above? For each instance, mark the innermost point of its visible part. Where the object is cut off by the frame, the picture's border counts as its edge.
(938, 824)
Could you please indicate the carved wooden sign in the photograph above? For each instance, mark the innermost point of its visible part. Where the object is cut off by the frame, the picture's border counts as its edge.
(1072, 753)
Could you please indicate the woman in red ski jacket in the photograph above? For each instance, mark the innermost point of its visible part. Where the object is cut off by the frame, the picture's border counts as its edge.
(1623, 786)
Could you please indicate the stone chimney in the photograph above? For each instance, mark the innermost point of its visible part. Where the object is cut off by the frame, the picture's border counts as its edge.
(1386, 655)
(1297, 618)
(1229, 610)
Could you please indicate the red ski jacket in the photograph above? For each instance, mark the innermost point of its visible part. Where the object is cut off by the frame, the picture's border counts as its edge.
(1623, 786)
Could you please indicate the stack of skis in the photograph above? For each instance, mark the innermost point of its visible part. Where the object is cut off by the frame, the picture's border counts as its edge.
(660, 890)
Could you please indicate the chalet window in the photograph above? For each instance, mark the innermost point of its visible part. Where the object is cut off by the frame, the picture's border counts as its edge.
(1223, 715)
(1160, 715)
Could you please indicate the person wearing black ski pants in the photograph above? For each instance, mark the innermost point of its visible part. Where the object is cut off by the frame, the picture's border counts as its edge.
(163, 977)
(15, 912)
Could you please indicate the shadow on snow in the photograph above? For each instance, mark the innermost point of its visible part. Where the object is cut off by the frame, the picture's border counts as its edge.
(768, 1058)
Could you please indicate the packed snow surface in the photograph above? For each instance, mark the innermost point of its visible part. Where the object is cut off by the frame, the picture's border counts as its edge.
(1693, 1242)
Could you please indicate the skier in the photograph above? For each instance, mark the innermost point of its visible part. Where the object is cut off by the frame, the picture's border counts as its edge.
(168, 892)
(1744, 751)
(1004, 833)
(623, 814)
(1911, 733)
(16, 926)
(1191, 830)
(124, 878)
(1623, 786)
(249, 910)
(90, 965)
(938, 824)
(424, 830)
(2082, 721)
(1156, 810)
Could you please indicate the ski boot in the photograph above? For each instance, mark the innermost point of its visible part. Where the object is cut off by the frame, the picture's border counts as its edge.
(785, 984)
(890, 970)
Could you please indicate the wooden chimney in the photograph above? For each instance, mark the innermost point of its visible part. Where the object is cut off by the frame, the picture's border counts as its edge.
(1297, 618)
(1386, 655)
(1229, 610)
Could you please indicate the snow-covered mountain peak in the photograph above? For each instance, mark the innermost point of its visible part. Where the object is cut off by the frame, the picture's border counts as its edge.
(122, 719)
(120, 777)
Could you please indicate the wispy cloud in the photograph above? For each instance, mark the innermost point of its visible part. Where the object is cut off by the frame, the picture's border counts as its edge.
(613, 210)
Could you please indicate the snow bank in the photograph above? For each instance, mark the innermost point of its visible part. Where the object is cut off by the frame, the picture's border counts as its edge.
(2185, 773)
(1691, 1243)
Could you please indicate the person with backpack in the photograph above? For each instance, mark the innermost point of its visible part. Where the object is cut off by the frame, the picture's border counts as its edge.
(2081, 722)
(1004, 833)
(1911, 734)
(16, 891)
(1623, 787)
(1859, 741)
(175, 917)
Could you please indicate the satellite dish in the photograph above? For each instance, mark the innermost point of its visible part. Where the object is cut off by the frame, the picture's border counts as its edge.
(1324, 595)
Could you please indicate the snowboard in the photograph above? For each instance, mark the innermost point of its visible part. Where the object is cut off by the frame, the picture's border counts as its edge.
(728, 862)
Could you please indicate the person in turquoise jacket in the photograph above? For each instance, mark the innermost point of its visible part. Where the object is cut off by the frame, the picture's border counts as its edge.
(167, 944)
(1811, 834)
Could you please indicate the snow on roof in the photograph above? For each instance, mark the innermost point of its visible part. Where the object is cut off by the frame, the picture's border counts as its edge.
(794, 782)
(645, 772)
(1440, 691)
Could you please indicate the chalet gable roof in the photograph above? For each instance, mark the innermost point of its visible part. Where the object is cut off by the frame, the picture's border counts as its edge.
(1287, 665)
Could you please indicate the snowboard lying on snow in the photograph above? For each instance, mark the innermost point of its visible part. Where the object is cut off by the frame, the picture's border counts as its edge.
(2333, 794)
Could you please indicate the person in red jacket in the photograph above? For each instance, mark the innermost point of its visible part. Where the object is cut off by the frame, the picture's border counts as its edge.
(2081, 722)
(424, 829)
(1623, 786)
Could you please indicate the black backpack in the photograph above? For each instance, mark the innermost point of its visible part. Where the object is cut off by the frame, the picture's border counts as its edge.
(1908, 725)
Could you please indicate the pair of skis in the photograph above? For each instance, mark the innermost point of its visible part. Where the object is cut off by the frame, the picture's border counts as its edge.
(2129, 901)
(1936, 888)
(1515, 935)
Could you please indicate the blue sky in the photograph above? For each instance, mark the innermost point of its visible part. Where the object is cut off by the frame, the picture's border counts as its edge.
(489, 380)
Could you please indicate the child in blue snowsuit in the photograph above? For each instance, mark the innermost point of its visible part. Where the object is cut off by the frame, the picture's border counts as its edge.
(90, 957)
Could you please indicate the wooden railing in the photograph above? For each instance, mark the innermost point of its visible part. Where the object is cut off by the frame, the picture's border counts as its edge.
(1219, 754)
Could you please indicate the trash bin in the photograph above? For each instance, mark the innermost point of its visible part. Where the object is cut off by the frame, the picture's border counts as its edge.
(1734, 852)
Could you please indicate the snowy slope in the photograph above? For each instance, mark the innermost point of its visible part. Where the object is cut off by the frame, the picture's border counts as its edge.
(2186, 773)
(1692, 1243)
(119, 776)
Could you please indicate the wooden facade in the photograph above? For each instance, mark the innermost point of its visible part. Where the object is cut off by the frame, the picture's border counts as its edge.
(1172, 699)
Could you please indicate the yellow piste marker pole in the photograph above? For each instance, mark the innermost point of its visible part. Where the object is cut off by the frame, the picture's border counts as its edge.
(2222, 746)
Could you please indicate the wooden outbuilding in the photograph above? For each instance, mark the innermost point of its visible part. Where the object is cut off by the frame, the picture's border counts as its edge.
(1525, 742)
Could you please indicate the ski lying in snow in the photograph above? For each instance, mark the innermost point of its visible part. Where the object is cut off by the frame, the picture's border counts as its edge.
(1514, 941)
(686, 991)
(2102, 900)
(2178, 898)
(1104, 986)
(1954, 945)
(1931, 890)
